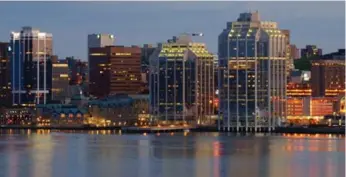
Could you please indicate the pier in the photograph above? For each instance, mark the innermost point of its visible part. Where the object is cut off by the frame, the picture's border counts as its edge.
(156, 129)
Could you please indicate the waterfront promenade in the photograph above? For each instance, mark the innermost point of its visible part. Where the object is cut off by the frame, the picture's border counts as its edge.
(158, 129)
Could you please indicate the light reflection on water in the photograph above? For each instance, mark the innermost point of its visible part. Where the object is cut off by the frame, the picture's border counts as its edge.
(45, 153)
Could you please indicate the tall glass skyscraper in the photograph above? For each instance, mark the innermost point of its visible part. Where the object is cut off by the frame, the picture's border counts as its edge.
(252, 77)
(30, 52)
(181, 81)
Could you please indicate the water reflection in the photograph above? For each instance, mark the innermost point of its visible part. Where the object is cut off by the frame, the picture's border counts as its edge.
(105, 153)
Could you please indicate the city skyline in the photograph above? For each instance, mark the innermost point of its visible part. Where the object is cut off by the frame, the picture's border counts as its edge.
(153, 22)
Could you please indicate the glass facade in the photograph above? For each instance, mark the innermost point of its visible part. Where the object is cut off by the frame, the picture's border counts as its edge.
(252, 78)
(182, 82)
(31, 67)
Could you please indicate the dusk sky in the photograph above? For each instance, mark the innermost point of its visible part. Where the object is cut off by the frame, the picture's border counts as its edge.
(136, 23)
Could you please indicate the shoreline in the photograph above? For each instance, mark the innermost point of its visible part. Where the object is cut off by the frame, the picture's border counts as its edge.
(301, 130)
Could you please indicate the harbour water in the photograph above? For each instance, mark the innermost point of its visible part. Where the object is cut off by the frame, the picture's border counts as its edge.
(25, 153)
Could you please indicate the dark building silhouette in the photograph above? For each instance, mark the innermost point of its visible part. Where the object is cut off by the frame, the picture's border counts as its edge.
(5, 75)
(310, 51)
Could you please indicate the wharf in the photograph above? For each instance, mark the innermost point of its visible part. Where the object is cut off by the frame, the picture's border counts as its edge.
(300, 129)
(167, 129)
(155, 129)
(61, 127)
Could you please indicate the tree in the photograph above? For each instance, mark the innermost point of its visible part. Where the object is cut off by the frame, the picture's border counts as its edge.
(304, 63)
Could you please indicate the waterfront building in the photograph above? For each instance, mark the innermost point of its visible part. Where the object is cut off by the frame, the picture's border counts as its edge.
(61, 114)
(120, 110)
(182, 82)
(115, 70)
(310, 51)
(5, 75)
(60, 80)
(252, 73)
(31, 66)
(310, 107)
(328, 75)
(17, 116)
(299, 89)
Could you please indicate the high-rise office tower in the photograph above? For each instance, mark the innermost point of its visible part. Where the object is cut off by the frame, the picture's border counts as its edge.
(182, 81)
(5, 68)
(60, 80)
(114, 70)
(125, 67)
(252, 77)
(97, 41)
(30, 55)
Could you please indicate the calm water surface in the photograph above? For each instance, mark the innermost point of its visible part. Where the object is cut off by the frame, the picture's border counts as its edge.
(110, 154)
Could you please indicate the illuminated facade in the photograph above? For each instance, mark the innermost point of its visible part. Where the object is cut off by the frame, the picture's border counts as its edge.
(5, 75)
(182, 81)
(61, 114)
(328, 77)
(120, 109)
(125, 77)
(60, 80)
(252, 73)
(31, 67)
(342, 106)
(321, 106)
(289, 61)
(114, 70)
(310, 107)
(298, 89)
(295, 107)
(16, 116)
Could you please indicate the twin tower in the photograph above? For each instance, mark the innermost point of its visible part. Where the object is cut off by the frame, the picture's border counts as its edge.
(251, 77)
